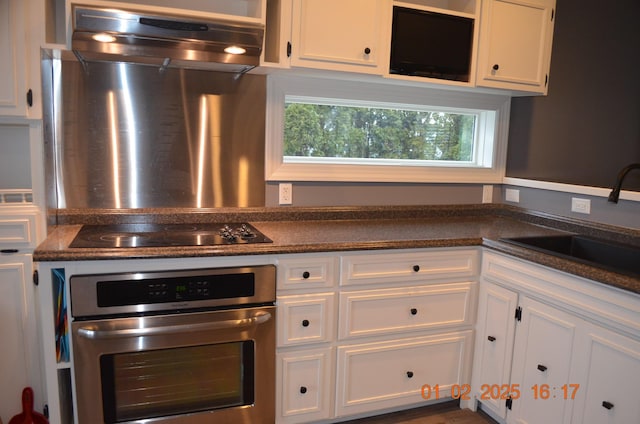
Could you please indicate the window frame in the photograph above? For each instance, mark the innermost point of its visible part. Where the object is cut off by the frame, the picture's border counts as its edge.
(395, 94)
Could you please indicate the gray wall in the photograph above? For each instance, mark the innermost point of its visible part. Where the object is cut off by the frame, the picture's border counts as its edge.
(588, 127)
(624, 214)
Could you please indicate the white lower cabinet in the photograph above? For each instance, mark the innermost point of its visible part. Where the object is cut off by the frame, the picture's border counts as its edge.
(609, 379)
(391, 373)
(494, 343)
(542, 358)
(363, 332)
(19, 367)
(305, 331)
(304, 384)
(554, 348)
(385, 311)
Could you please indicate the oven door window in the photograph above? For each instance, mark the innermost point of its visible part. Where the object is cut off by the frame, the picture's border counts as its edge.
(164, 382)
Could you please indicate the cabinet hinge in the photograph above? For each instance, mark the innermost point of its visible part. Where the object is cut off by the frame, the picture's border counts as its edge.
(509, 403)
(30, 97)
(288, 48)
(553, 13)
(546, 79)
(36, 278)
(518, 313)
(45, 411)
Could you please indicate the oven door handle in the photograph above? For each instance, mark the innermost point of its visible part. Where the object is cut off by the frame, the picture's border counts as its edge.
(94, 333)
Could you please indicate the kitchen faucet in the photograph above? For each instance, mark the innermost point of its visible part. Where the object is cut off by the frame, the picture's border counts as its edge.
(615, 193)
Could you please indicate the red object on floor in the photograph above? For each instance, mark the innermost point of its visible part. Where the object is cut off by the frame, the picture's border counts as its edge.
(28, 415)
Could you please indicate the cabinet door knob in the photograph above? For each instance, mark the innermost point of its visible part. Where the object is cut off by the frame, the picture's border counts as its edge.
(491, 339)
(367, 50)
(306, 275)
(410, 374)
(542, 368)
(496, 67)
(305, 322)
(414, 311)
(303, 390)
(607, 405)
(416, 268)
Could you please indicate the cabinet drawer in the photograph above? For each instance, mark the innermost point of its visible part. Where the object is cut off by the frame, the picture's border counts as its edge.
(306, 272)
(305, 319)
(412, 266)
(305, 392)
(371, 312)
(381, 375)
(17, 230)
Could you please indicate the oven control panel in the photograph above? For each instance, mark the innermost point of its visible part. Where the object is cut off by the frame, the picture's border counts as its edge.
(176, 289)
(93, 295)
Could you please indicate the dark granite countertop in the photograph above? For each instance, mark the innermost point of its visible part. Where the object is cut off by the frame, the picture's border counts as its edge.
(303, 230)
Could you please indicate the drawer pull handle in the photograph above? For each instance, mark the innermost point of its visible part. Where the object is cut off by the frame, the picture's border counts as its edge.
(607, 405)
(416, 268)
(542, 368)
(306, 275)
(410, 374)
(305, 322)
(414, 311)
(491, 339)
(303, 390)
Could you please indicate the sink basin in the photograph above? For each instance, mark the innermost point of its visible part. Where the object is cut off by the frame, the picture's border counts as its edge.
(606, 254)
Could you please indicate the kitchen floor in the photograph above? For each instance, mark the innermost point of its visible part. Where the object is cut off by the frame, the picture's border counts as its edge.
(444, 413)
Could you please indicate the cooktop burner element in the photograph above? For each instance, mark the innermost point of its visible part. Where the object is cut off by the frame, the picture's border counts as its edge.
(164, 235)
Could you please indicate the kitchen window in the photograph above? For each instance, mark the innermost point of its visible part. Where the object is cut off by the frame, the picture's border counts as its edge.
(338, 130)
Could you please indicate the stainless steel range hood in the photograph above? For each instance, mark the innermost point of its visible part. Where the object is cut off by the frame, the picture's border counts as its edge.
(101, 34)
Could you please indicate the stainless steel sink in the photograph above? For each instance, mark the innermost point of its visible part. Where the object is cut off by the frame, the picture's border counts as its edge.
(606, 254)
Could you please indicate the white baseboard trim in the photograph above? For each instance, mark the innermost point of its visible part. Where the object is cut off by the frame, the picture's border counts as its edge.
(570, 188)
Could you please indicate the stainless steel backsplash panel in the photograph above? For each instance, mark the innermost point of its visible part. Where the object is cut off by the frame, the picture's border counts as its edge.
(131, 136)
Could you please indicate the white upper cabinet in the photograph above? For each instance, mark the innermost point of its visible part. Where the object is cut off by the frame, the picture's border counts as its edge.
(20, 40)
(13, 59)
(344, 35)
(515, 44)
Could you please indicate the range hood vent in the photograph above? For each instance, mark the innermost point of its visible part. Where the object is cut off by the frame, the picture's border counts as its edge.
(161, 40)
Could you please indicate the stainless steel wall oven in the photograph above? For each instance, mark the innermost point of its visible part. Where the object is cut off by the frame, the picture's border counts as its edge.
(188, 346)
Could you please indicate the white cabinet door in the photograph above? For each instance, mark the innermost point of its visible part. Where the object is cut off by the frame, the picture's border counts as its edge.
(13, 92)
(304, 319)
(542, 359)
(494, 345)
(387, 311)
(387, 374)
(515, 44)
(19, 366)
(304, 385)
(306, 272)
(609, 390)
(339, 34)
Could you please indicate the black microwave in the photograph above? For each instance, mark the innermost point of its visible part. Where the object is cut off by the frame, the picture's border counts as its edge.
(430, 44)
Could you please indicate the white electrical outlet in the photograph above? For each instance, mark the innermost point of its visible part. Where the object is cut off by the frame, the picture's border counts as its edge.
(487, 193)
(512, 195)
(285, 193)
(580, 205)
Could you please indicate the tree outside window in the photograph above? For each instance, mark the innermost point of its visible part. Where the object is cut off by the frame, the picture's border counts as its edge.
(329, 131)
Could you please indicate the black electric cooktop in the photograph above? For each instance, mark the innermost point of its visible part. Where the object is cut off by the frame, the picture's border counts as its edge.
(165, 235)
